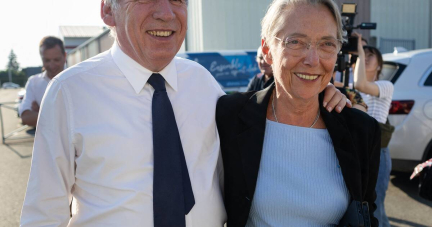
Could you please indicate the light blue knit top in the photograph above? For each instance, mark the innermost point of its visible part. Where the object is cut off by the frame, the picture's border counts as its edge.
(299, 182)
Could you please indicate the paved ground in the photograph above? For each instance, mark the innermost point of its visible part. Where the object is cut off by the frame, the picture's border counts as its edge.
(403, 205)
(15, 158)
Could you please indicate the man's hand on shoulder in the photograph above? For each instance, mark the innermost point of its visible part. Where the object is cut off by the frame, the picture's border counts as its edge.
(333, 98)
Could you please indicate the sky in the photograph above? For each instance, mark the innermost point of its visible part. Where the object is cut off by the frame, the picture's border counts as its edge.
(23, 23)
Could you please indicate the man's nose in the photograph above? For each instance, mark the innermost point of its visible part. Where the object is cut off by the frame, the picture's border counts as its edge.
(164, 10)
(51, 64)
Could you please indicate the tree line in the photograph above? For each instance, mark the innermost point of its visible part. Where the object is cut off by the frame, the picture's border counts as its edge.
(18, 75)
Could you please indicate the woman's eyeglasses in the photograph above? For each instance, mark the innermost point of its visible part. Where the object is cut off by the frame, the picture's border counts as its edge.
(298, 46)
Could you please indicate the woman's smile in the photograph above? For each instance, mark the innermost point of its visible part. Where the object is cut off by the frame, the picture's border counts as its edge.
(307, 77)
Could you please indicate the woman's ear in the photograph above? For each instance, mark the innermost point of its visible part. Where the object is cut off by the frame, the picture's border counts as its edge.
(266, 52)
(107, 14)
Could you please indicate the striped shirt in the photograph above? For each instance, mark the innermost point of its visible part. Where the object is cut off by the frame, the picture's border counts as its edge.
(379, 106)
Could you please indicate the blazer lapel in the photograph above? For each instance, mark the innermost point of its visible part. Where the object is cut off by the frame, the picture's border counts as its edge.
(251, 140)
(345, 150)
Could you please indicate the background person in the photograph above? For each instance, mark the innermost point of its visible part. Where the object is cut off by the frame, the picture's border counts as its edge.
(425, 182)
(265, 77)
(419, 168)
(288, 161)
(378, 96)
(53, 57)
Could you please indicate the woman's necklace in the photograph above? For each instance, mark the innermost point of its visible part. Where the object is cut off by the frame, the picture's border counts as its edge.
(274, 112)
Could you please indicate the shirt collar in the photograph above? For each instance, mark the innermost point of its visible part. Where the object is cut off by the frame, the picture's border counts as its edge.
(45, 76)
(136, 74)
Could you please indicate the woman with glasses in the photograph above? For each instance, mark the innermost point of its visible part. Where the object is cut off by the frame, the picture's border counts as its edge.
(287, 160)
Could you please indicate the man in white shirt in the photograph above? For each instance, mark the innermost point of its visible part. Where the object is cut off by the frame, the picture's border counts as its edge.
(53, 57)
(95, 139)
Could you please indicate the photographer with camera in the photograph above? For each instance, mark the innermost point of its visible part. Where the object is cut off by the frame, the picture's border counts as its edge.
(353, 95)
(352, 60)
(378, 95)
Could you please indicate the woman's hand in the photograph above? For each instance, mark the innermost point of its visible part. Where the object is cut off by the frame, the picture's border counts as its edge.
(334, 98)
(420, 167)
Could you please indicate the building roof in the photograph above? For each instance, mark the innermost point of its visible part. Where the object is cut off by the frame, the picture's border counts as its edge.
(80, 31)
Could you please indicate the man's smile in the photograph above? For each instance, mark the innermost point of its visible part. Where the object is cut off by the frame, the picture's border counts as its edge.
(160, 33)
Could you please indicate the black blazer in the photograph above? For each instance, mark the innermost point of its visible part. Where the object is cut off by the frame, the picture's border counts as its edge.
(241, 120)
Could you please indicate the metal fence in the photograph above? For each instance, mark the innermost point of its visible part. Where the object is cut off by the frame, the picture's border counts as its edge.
(13, 135)
(388, 45)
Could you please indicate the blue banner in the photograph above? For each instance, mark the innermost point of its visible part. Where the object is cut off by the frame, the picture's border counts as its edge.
(229, 69)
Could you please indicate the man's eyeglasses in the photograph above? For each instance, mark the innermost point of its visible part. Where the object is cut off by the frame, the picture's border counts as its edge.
(298, 46)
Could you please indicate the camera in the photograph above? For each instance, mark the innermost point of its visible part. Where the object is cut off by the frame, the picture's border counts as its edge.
(348, 13)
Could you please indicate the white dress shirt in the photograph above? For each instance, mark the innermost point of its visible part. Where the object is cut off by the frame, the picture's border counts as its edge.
(94, 143)
(35, 89)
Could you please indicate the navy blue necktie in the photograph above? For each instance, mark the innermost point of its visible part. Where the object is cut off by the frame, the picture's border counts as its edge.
(172, 191)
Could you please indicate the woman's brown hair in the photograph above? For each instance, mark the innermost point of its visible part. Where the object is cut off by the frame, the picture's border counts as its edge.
(378, 54)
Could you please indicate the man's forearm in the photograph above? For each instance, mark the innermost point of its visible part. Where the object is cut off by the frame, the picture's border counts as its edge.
(29, 117)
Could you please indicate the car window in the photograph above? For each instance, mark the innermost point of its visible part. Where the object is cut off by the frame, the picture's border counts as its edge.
(428, 81)
(391, 71)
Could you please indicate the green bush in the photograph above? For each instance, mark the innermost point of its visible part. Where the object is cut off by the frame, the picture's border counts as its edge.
(18, 77)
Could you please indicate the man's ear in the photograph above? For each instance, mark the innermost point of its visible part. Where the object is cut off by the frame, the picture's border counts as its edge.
(107, 14)
(266, 52)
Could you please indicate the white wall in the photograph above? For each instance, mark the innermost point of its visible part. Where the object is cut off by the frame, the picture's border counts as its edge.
(225, 24)
(402, 19)
(194, 39)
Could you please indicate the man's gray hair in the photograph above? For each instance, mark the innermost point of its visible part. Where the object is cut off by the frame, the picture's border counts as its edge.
(274, 21)
(113, 3)
(114, 6)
